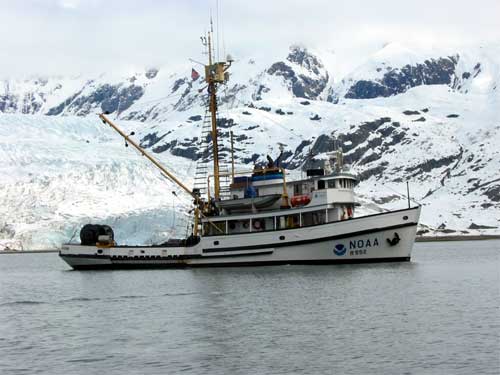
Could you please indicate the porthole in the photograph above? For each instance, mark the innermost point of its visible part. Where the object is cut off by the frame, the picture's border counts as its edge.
(405, 217)
(99, 251)
(282, 238)
(216, 243)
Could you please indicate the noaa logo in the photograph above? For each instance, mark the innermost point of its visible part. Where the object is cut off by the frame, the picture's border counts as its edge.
(340, 249)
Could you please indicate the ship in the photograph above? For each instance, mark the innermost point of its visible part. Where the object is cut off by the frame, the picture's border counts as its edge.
(261, 218)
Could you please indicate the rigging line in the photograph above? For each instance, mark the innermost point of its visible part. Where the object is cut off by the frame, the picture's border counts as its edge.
(401, 195)
(118, 109)
(218, 30)
(282, 126)
(223, 35)
(161, 98)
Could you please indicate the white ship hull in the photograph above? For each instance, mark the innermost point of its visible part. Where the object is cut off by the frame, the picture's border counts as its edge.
(376, 238)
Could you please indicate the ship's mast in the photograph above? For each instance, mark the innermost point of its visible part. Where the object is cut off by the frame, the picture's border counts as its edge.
(215, 74)
(213, 111)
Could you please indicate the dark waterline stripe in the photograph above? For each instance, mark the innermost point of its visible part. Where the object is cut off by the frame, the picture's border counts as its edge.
(240, 264)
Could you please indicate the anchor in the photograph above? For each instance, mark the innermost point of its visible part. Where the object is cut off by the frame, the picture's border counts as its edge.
(395, 240)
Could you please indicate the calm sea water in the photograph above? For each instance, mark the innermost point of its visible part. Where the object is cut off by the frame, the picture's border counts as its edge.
(438, 314)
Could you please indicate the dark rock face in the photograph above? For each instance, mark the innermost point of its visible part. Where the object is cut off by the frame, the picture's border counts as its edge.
(109, 98)
(178, 83)
(493, 192)
(151, 139)
(410, 113)
(188, 148)
(261, 90)
(251, 160)
(432, 72)
(295, 160)
(8, 103)
(225, 123)
(302, 86)
(28, 104)
(151, 73)
(357, 144)
(431, 164)
(195, 118)
(476, 226)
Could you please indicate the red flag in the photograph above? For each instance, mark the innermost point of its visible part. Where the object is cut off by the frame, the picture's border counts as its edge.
(194, 74)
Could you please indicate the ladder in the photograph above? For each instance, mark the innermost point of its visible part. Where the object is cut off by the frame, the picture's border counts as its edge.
(204, 164)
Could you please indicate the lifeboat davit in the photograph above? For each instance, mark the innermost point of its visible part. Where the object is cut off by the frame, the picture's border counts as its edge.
(300, 200)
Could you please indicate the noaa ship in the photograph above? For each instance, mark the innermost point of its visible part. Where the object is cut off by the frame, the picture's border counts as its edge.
(263, 219)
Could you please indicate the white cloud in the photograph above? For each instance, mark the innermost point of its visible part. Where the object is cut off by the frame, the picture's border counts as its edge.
(69, 4)
(71, 36)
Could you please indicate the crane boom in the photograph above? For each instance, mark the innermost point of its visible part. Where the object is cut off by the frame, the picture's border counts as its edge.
(151, 159)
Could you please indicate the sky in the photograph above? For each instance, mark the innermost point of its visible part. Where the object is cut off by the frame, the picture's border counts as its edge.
(61, 37)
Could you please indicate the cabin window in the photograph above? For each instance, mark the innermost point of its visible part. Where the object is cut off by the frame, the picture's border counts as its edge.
(297, 189)
(333, 214)
(288, 221)
(214, 228)
(313, 218)
(262, 224)
(239, 226)
(321, 184)
(331, 184)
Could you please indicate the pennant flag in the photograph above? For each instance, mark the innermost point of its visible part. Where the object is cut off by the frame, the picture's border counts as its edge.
(194, 74)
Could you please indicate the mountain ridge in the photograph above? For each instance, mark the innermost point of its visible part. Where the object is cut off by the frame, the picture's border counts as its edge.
(437, 126)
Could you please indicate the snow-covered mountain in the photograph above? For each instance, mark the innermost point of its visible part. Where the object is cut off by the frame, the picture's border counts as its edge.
(428, 117)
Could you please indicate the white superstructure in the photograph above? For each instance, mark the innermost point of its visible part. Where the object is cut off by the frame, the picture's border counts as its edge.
(254, 228)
